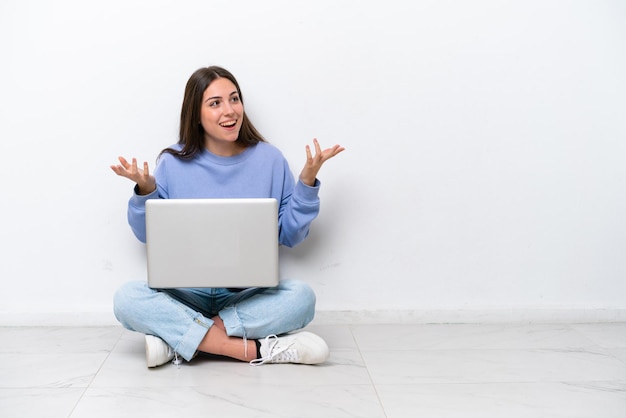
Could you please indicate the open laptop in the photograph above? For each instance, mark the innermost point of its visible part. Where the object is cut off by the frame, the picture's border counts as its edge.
(229, 243)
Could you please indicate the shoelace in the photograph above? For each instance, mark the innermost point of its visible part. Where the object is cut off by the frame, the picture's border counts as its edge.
(177, 360)
(276, 354)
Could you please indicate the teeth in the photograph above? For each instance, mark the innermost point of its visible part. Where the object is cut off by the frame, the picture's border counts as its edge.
(228, 124)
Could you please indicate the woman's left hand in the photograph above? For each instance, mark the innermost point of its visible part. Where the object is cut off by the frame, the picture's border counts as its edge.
(314, 162)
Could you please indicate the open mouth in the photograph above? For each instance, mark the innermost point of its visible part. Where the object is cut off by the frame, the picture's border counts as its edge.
(228, 124)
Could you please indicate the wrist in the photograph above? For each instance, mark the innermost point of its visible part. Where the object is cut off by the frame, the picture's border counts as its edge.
(142, 191)
(307, 181)
(314, 183)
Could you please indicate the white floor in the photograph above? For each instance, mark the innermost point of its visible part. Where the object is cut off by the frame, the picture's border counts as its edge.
(374, 371)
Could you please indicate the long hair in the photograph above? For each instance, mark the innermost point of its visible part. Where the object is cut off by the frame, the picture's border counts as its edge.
(191, 135)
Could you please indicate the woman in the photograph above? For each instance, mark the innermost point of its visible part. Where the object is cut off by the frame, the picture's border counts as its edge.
(220, 154)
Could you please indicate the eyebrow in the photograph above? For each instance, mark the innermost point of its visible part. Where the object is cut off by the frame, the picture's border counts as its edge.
(219, 97)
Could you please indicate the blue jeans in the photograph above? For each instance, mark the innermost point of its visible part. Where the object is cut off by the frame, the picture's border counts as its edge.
(182, 317)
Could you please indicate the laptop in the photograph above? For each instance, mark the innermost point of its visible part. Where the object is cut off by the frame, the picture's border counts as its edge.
(230, 243)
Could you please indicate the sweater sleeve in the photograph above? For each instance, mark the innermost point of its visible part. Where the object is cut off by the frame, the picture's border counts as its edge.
(137, 213)
(298, 209)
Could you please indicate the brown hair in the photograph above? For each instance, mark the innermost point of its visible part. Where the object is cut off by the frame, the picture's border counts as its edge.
(191, 135)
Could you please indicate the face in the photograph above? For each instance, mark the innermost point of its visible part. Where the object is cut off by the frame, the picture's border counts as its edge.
(221, 116)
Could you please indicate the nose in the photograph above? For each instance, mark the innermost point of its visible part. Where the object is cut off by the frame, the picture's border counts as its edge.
(228, 108)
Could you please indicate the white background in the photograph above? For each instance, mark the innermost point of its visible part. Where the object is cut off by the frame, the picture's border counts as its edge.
(486, 145)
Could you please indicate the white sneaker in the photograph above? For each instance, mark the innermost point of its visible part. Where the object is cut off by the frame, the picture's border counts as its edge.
(303, 348)
(157, 351)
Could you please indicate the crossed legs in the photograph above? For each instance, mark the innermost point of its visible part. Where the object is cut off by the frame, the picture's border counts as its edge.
(214, 321)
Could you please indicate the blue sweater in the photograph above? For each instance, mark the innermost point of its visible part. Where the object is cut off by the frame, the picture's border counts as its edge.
(259, 171)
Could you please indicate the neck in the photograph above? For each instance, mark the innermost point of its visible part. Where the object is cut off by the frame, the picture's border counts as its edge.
(223, 149)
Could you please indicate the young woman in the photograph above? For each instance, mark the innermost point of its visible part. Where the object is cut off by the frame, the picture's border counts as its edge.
(220, 154)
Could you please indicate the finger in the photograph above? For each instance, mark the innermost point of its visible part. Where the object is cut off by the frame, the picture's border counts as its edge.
(337, 149)
(331, 152)
(146, 171)
(309, 157)
(318, 149)
(123, 162)
(119, 170)
(134, 167)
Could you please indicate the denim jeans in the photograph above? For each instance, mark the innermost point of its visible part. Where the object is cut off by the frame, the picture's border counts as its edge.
(182, 317)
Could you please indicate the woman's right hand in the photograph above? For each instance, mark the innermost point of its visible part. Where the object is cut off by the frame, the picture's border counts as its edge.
(146, 183)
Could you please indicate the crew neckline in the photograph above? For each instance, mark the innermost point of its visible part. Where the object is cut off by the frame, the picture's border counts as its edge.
(234, 159)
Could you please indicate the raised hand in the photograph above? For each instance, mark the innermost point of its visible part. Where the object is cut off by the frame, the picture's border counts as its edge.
(146, 182)
(314, 162)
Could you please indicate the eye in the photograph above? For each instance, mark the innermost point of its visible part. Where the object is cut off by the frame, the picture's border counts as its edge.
(235, 99)
(214, 103)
